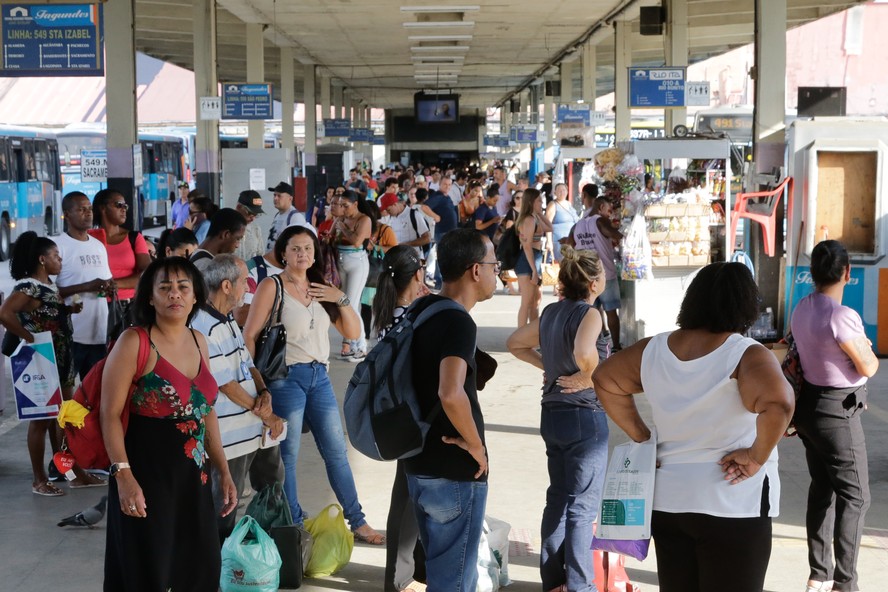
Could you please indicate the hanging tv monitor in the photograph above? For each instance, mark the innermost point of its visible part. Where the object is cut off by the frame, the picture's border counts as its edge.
(436, 108)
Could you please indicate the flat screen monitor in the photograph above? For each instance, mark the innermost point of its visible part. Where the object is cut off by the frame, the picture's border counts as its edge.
(436, 108)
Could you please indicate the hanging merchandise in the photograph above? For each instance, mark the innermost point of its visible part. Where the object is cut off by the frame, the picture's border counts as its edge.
(636, 257)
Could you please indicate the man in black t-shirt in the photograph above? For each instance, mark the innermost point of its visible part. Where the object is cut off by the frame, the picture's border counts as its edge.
(448, 480)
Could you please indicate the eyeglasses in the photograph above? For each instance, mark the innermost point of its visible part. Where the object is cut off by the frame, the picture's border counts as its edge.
(497, 265)
(120, 205)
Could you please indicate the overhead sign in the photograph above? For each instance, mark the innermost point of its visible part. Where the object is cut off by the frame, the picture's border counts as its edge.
(360, 134)
(378, 140)
(337, 128)
(246, 101)
(657, 87)
(93, 166)
(575, 114)
(697, 94)
(51, 40)
(524, 135)
(599, 118)
(210, 108)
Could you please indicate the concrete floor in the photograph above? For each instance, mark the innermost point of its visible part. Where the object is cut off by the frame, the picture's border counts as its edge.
(37, 556)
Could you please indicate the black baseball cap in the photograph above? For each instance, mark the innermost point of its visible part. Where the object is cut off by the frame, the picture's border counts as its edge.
(282, 188)
(251, 200)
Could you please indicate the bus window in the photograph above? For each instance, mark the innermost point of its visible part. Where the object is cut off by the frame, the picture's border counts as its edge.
(55, 171)
(4, 161)
(30, 160)
(42, 157)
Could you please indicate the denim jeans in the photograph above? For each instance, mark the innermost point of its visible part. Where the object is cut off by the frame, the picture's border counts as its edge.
(576, 447)
(307, 394)
(354, 267)
(828, 421)
(450, 515)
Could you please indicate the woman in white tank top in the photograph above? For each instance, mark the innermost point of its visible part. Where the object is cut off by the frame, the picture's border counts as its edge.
(721, 405)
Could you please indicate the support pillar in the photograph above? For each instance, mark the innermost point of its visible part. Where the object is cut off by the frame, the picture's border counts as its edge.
(120, 103)
(310, 152)
(590, 67)
(567, 82)
(676, 40)
(206, 84)
(548, 120)
(505, 118)
(769, 136)
(337, 101)
(288, 103)
(623, 59)
(255, 73)
(325, 96)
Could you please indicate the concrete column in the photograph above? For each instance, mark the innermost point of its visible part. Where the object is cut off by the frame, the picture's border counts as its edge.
(288, 103)
(310, 153)
(206, 84)
(388, 135)
(769, 136)
(590, 67)
(324, 83)
(120, 103)
(567, 82)
(548, 122)
(623, 59)
(337, 101)
(505, 118)
(522, 106)
(676, 40)
(255, 73)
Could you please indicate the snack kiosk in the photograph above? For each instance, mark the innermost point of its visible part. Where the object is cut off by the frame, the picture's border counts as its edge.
(840, 167)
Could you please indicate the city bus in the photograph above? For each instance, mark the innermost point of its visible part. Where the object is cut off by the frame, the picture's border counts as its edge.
(163, 165)
(30, 184)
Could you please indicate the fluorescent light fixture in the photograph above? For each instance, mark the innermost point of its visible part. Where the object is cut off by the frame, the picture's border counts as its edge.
(425, 48)
(438, 24)
(438, 58)
(434, 76)
(440, 8)
(440, 37)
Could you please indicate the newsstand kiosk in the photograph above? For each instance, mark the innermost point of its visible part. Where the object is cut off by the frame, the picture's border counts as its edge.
(840, 166)
(686, 222)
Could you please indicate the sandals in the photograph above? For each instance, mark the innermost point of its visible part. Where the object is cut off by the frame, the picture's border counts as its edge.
(97, 483)
(46, 489)
(345, 353)
(371, 537)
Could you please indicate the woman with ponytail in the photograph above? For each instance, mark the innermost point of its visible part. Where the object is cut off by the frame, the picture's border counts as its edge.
(400, 283)
(573, 423)
(179, 242)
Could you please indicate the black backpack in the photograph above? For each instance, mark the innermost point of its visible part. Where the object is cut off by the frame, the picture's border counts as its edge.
(509, 248)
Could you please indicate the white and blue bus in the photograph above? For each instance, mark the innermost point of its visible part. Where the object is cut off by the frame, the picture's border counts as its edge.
(163, 165)
(30, 184)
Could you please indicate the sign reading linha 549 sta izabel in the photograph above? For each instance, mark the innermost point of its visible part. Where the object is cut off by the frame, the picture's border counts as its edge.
(51, 40)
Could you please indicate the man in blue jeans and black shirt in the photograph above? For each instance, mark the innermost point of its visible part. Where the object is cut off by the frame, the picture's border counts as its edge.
(448, 479)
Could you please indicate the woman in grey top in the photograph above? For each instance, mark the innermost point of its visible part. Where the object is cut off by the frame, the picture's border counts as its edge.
(573, 424)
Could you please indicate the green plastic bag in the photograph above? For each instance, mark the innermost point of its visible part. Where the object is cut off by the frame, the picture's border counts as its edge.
(250, 560)
(269, 508)
(333, 542)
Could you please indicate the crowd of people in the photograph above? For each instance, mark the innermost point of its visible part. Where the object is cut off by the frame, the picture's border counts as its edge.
(189, 421)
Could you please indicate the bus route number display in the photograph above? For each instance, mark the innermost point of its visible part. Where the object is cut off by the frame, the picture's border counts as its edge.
(51, 40)
(656, 87)
(94, 166)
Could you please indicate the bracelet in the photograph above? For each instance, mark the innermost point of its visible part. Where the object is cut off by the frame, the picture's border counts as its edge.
(343, 301)
(264, 389)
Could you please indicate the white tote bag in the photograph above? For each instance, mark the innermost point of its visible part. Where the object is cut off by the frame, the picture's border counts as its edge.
(35, 379)
(628, 496)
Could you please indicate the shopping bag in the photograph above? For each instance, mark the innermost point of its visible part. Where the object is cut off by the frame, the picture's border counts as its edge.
(269, 508)
(498, 538)
(550, 270)
(610, 573)
(35, 379)
(637, 258)
(117, 323)
(294, 544)
(627, 498)
(487, 565)
(333, 542)
(250, 560)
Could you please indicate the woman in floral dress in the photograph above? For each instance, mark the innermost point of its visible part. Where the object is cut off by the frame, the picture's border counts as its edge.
(161, 524)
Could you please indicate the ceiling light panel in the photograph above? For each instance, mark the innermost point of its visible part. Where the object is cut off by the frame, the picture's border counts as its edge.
(440, 8)
(432, 48)
(439, 24)
(422, 38)
(434, 58)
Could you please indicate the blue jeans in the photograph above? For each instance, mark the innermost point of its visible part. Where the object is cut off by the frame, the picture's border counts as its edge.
(307, 394)
(576, 447)
(450, 515)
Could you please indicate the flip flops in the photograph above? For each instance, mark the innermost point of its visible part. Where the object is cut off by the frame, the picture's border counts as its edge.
(46, 489)
(99, 483)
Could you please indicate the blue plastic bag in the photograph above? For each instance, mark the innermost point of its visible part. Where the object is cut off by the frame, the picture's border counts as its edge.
(250, 560)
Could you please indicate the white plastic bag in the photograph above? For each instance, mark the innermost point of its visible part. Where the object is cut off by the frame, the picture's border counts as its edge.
(637, 258)
(498, 540)
(487, 566)
(628, 495)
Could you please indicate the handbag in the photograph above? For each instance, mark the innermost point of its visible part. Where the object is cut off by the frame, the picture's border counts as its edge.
(271, 345)
(550, 270)
(10, 343)
(116, 320)
(330, 264)
(375, 258)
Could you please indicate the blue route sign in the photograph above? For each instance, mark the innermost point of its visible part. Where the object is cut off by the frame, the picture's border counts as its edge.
(581, 114)
(360, 134)
(246, 100)
(378, 140)
(526, 135)
(337, 128)
(657, 87)
(51, 40)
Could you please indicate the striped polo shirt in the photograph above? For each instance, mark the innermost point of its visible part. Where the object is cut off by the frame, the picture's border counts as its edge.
(230, 361)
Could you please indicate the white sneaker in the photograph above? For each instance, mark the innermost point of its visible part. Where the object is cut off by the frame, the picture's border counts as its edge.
(821, 587)
(357, 357)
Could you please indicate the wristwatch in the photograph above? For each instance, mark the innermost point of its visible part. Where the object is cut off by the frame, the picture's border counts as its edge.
(343, 301)
(117, 467)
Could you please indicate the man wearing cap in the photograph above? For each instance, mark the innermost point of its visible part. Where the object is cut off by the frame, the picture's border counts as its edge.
(180, 206)
(249, 205)
(410, 227)
(287, 214)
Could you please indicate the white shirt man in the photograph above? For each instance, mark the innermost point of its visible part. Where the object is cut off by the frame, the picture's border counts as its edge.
(287, 214)
(409, 226)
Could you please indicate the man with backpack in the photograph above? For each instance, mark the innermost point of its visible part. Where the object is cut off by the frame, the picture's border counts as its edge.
(450, 474)
(409, 225)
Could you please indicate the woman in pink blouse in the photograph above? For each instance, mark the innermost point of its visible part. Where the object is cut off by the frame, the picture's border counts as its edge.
(127, 252)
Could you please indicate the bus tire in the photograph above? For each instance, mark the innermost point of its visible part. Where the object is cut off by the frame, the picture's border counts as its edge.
(5, 242)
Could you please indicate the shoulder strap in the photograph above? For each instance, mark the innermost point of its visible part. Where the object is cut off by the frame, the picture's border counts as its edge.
(413, 221)
(433, 309)
(144, 351)
(290, 216)
(278, 299)
(132, 234)
(261, 268)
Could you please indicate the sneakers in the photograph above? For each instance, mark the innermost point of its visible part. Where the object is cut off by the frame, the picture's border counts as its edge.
(357, 357)
(53, 472)
(819, 586)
